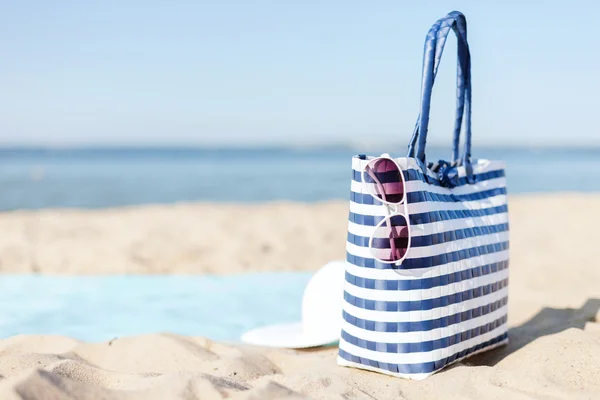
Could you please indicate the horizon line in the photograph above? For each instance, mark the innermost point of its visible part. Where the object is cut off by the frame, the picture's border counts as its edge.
(280, 146)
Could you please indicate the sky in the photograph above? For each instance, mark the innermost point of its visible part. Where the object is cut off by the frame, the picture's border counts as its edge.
(133, 72)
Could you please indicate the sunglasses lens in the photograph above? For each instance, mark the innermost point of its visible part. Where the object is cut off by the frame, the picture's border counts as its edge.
(390, 240)
(383, 179)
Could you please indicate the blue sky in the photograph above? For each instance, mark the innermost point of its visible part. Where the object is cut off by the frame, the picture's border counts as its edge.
(269, 72)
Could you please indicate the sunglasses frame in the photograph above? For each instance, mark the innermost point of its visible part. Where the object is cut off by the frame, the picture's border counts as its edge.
(390, 213)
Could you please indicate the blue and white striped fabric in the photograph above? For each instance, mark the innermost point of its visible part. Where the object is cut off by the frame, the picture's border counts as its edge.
(448, 298)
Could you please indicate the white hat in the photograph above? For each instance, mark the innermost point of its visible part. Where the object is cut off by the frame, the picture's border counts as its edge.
(321, 314)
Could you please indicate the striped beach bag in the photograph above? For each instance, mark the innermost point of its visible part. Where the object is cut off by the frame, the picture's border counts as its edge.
(427, 249)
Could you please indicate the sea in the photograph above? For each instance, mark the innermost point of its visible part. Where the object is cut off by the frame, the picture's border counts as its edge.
(100, 308)
(113, 177)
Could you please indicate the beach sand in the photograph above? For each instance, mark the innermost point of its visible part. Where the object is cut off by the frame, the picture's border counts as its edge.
(554, 305)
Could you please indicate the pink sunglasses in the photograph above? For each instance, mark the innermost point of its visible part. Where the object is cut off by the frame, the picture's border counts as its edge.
(383, 179)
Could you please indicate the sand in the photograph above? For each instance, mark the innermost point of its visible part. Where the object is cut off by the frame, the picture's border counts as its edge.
(186, 238)
(553, 308)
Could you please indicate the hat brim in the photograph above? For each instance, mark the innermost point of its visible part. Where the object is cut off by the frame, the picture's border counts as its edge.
(291, 336)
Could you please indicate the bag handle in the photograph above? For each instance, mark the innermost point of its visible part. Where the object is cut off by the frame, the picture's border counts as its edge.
(434, 47)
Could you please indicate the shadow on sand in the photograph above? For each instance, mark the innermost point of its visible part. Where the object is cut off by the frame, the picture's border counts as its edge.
(547, 322)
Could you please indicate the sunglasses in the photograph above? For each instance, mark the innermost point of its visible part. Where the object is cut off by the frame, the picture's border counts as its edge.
(383, 179)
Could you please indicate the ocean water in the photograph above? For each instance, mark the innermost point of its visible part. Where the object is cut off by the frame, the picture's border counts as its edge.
(102, 308)
(93, 178)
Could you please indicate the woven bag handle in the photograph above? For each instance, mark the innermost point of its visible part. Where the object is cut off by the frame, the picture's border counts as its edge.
(434, 47)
